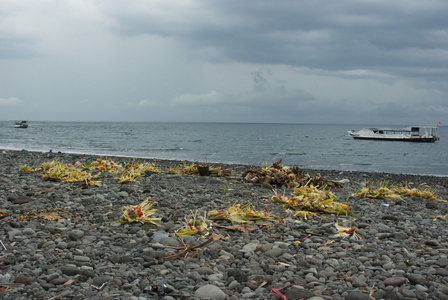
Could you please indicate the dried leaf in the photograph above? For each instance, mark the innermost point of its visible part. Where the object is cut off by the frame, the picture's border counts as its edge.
(50, 216)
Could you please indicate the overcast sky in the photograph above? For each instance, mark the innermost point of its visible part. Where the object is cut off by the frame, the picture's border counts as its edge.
(285, 61)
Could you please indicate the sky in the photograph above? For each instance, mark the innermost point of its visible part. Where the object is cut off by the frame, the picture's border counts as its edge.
(283, 61)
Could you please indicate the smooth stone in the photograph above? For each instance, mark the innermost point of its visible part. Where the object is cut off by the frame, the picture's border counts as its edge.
(239, 275)
(169, 241)
(233, 285)
(100, 280)
(359, 281)
(13, 233)
(81, 258)
(205, 271)
(408, 293)
(29, 231)
(311, 278)
(210, 291)
(394, 281)
(333, 262)
(123, 194)
(420, 288)
(417, 279)
(69, 271)
(274, 252)
(58, 280)
(356, 295)
(298, 293)
(22, 200)
(76, 234)
(215, 277)
(24, 280)
(249, 247)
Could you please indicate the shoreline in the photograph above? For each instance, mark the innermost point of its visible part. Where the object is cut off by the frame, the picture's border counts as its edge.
(396, 177)
(64, 240)
(220, 163)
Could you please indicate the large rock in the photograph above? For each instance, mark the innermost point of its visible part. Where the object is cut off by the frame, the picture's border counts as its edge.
(210, 291)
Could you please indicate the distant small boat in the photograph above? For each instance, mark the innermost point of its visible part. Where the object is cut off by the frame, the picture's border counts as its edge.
(21, 124)
(422, 134)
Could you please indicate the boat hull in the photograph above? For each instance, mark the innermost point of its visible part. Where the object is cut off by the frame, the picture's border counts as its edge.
(412, 140)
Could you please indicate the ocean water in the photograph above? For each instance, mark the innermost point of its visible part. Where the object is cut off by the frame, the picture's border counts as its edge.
(307, 146)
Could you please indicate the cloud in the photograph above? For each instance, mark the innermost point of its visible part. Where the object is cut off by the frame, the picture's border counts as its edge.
(292, 61)
(146, 102)
(10, 101)
(265, 97)
(211, 98)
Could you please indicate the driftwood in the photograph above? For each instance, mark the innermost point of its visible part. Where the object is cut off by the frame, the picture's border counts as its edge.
(186, 249)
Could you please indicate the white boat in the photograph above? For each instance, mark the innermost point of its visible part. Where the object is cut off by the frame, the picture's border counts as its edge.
(422, 134)
(21, 124)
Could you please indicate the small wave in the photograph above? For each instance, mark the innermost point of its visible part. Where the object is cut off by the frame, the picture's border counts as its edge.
(356, 164)
(163, 149)
(276, 153)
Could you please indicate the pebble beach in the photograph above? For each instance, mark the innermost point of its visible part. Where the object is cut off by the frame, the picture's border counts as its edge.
(84, 252)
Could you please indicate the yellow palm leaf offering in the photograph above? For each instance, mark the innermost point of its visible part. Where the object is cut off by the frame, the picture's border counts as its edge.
(133, 171)
(174, 169)
(311, 199)
(104, 166)
(383, 192)
(68, 173)
(241, 214)
(305, 214)
(190, 169)
(347, 231)
(425, 194)
(279, 198)
(193, 225)
(25, 168)
(139, 213)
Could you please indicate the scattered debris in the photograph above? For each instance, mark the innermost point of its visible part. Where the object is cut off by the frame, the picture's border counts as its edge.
(347, 231)
(3, 245)
(187, 249)
(278, 175)
(50, 216)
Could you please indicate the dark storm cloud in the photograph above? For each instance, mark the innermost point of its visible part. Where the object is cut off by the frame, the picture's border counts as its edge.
(340, 35)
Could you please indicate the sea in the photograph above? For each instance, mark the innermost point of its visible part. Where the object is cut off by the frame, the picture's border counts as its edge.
(308, 146)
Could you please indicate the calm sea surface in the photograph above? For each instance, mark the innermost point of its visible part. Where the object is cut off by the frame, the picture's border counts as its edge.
(307, 146)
